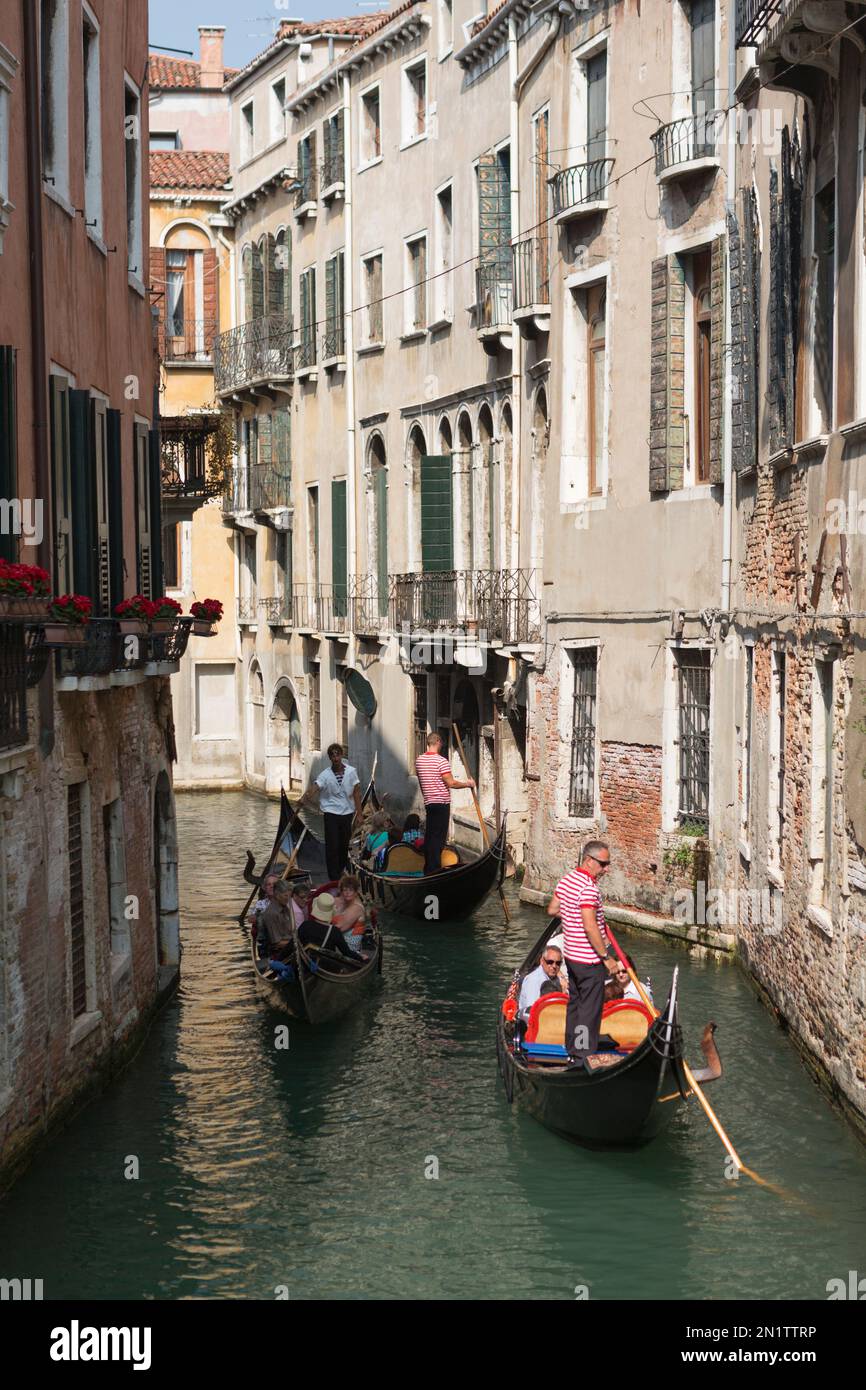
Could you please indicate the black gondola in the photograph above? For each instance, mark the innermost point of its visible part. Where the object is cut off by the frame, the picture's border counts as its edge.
(319, 985)
(451, 895)
(613, 1099)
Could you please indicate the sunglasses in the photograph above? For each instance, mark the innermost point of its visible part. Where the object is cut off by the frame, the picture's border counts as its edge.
(547, 961)
(605, 863)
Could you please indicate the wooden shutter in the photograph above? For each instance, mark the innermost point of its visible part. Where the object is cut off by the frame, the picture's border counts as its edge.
(717, 358)
(380, 502)
(8, 445)
(258, 283)
(596, 107)
(667, 375)
(274, 277)
(247, 267)
(143, 538)
(84, 566)
(437, 548)
(210, 273)
(153, 456)
(339, 548)
(114, 474)
(703, 21)
(330, 294)
(98, 430)
(376, 305)
(60, 481)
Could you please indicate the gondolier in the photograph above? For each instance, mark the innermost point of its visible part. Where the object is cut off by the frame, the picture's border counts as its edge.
(338, 793)
(437, 782)
(589, 956)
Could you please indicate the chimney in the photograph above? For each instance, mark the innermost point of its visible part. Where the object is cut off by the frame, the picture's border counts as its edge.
(212, 67)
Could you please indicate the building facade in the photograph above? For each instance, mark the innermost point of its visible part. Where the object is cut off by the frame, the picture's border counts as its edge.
(88, 858)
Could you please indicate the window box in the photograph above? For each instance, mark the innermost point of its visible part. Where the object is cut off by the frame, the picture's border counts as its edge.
(309, 209)
(414, 336)
(334, 190)
(367, 349)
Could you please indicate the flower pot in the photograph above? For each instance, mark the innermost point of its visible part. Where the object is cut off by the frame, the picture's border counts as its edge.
(59, 634)
(132, 627)
(202, 628)
(161, 627)
(23, 606)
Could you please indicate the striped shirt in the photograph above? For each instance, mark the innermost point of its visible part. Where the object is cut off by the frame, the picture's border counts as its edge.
(429, 769)
(575, 891)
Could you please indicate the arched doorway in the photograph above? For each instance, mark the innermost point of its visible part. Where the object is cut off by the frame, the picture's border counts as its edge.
(286, 741)
(166, 916)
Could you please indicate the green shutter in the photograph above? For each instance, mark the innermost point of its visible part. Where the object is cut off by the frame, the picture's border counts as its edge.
(115, 505)
(339, 549)
(84, 561)
(258, 283)
(380, 477)
(330, 293)
(494, 208)
(60, 490)
(155, 482)
(8, 445)
(437, 549)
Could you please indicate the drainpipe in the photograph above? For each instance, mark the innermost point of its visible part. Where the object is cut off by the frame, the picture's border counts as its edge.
(517, 82)
(728, 475)
(348, 331)
(39, 352)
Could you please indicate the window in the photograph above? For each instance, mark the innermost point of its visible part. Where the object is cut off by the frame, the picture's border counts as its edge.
(92, 125)
(248, 578)
(184, 306)
(315, 707)
(776, 798)
(415, 101)
(248, 131)
(339, 549)
(114, 847)
(313, 535)
(333, 172)
(701, 339)
(821, 812)
(596, 386)
(746, 736)
(542, 203)
(378, 550)
(693, 703)
(308, 182)
(419, 716)
(278, 110)
(8, 445)
(371, 126)
(334, 343)
(342, 710)
(415, 299)
(172, 568)
(595, 69)
(446, 28)
(134, 220)
(61, 479)
(164, 140)
(702, 24)
(79, 867)
(443, 281)
(825, 300)
(8, 69)
(283, 567)
(495, 275)
(143, 512)
(581, 782)
(307, 347)
(54, 64)
(97, 504)
(371, 285)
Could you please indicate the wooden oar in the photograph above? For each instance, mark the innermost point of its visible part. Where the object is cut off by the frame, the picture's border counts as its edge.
(484, 833)
(702, 1100)
(291, 864)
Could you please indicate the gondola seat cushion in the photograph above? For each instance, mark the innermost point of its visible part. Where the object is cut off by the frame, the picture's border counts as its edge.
(540, 1051)
(627, 1021)
(547, 1020)
(403, 859)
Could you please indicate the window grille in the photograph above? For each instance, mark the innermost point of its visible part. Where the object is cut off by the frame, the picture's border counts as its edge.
(581, 789)
(694, 735)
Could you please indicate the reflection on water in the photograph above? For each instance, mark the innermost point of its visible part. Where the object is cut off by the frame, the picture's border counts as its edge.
(306, 1168)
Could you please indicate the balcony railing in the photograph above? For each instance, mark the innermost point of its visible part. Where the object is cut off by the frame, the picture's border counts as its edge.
(494, 292)
(247, 608)
(308, 187)
(681, 142)
(333, 608)
(333, 341)
(580, 183)
(305, 607)
(184, 467)
(333, 169)
(306, 351)
(106, 650)
(13, 685)
(371, 605)
(754, 18)
(258, 351)
(490, 605)
(531, 259)
(187, 340)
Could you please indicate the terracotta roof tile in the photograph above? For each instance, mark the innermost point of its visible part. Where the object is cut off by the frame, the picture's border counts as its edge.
(180, 72)
(354, 27)
(485, 19)
(204, 169)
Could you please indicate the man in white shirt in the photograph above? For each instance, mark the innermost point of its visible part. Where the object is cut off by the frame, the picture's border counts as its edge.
(337, 791)
(543, 979)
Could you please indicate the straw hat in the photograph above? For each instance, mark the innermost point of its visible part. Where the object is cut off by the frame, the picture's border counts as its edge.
(322, 908)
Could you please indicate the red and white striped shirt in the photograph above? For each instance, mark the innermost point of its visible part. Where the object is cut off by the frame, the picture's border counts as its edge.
(429, 769)
(577, 890)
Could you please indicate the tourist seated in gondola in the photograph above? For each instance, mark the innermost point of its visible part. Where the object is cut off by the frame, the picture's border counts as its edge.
(614, 988)
(412, 832)
(544, 979)
(276, 922)
(630, 989)
(266, 898)
(349, 914)
(394, 838)
(319, 929)
(378, 836)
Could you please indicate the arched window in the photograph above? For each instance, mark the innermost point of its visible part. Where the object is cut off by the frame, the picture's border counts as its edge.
(486, 542)
(280, 289)
(257, 299)
(247, 283)
(446, 442)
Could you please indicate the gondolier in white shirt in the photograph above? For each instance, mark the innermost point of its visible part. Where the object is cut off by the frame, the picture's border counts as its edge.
(338, 793)
(589, 956)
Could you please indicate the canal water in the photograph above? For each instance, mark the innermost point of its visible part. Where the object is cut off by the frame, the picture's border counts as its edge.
(309, 1172)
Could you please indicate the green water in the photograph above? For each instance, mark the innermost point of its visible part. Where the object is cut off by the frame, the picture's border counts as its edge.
(262, 1169)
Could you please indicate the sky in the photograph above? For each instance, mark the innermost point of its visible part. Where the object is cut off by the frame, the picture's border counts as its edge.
(250, 24)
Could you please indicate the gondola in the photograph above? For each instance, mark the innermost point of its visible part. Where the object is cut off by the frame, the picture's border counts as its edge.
(616, 1097)
(451, 895)
(319, 985)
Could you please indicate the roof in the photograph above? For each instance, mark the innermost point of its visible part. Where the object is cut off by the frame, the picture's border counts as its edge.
(355, 27)
(361, 48)
(180, 73)
(483, 22)
(186, 169)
